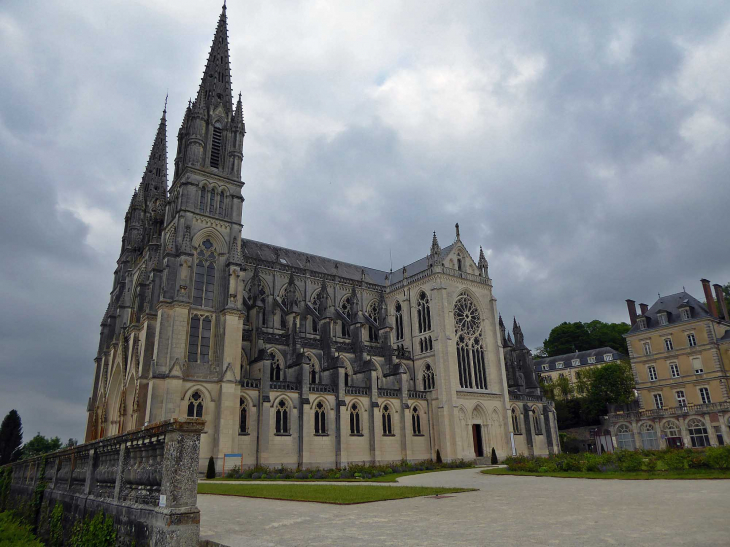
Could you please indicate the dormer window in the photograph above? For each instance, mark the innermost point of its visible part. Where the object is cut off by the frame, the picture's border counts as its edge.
(685, 314)
(663, 319)
(642, 323)
(576, 362)
(608, 357)
(545, 367)
(559, 364)
(591, 360)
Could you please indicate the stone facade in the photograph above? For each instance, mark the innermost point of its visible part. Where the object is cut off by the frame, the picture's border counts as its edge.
(680, 356)
(573, 365)
(146, 480)
(291, 358)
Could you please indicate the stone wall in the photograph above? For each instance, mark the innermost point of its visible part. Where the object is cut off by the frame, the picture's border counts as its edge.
(146, 480)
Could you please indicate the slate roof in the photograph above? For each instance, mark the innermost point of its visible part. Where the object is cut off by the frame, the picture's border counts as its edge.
(671, 305)
(290, 257)
(567, 359)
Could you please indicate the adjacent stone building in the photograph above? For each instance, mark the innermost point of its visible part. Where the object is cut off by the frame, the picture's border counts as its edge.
(680, 356)
(573, 365)
(291, 358)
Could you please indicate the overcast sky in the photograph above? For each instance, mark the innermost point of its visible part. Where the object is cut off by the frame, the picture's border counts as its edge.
(583, 144)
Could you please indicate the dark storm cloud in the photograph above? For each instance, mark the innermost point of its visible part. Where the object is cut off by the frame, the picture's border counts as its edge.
(582, 144)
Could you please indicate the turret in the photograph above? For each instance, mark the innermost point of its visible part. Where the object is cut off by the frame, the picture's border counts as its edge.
(434, 256)
(482, 264)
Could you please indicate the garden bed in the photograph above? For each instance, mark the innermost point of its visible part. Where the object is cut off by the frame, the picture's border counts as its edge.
(709, 463)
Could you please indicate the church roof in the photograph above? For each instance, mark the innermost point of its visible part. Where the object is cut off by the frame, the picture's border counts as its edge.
(298, 259)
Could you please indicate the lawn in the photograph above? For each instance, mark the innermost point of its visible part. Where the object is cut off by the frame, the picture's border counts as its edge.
(689, 474)
(324, 493)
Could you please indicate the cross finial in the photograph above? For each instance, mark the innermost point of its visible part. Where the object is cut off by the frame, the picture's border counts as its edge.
(166, 95)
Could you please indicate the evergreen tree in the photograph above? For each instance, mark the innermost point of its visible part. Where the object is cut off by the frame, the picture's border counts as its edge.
(210, 474)
(495, 461)
(11, 437)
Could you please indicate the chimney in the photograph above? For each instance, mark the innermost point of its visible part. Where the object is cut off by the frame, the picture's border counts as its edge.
(721, 304)
(644, 309)
(708, 297)
(631, 304)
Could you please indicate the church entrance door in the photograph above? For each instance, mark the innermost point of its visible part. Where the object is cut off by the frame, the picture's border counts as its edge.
(476, 431)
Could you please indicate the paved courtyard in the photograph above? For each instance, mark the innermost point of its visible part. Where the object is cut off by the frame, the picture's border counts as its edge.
(505, 511)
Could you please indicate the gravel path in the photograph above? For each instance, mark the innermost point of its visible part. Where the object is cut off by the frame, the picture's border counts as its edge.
(506, 511)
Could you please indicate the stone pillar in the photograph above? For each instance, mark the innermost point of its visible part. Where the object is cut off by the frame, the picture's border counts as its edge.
(724, 429)
(304, 417)
(710, 430)
(529, 435)
(264, 416)
(371, 420)
(637, 436)
(548, 429)
(403, 378)
(341, 419)
(685, 434)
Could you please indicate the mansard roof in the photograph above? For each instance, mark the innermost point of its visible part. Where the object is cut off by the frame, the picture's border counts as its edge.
(671, 305)
(320, 264)
(582, 356)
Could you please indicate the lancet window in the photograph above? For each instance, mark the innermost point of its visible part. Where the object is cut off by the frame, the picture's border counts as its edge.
(429, 381)
(243, 416)
(282, 417)
(469, 349)
(387, 420)
(424, 313)
(203, 196)
(204, 285)
(516, 421)
(355, 428)
(373, 314)
(320, 419)
(276, 372)
(199, 339)
(416, 420)
(398, 321)
(346, 308)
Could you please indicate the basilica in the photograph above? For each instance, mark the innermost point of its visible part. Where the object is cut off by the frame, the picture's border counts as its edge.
(291, 358)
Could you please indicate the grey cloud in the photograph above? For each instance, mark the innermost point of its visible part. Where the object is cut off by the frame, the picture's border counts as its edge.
(595, 179)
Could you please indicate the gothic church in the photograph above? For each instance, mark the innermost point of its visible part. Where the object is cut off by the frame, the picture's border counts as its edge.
(294, 359)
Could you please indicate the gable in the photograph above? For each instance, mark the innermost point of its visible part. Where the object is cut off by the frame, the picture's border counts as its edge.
(459, 253)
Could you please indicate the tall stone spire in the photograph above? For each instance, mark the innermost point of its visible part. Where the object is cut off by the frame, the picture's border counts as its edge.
(215, 87)
(154, 180)
(435, 254)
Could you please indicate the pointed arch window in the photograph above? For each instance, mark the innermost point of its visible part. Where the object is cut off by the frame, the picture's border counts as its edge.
(203, 195)
(320, 419)
(355, 428)
(221, 204)
(516, 421)
(276, 372)
(387, 420)
(282, 417)
(215, 146)
(424, 313)
(536, 422)
(211, 206)
(316, 297)
(243, 416)
(459, 263)
(429, 381)
(346, 308)
(195, 405)
(398, 321)
(416, 421)
(199, 338)
(469, 349)
(204, 285)
(373, 313)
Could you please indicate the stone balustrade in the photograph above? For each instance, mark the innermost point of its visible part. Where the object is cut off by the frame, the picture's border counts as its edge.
(145, 479)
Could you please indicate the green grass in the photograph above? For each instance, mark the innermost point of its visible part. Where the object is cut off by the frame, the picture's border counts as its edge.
(324, 493)
(390, 477)
(689, 474)
(13, 532)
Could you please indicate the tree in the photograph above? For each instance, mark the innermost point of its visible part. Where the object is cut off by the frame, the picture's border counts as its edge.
(210, 473)
(11, 437)
(612, 383)
(40, 445)
(573, 337)
(494, 459)
(567, 338)
(71, 443)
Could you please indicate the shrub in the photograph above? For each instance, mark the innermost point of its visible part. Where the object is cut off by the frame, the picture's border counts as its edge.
(210, 473)
(256, 475)
(98, 531)
(345, 474)
(15, 532)
(718, 457)
(55, 534)
(628, 460)
(234, 473)
(676, 460)
(495, 461)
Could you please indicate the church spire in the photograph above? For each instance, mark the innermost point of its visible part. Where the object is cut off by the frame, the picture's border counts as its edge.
(154, 180)
(215, 86)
